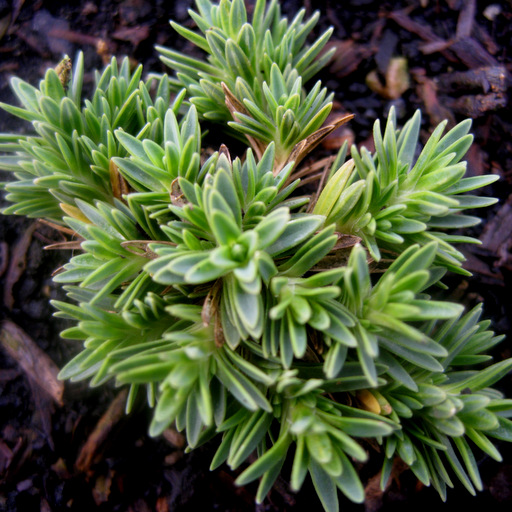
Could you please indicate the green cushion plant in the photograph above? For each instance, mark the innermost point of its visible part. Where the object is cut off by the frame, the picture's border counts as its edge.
(296, 325)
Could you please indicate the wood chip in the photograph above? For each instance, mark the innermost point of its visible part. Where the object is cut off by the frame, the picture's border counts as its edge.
(423, 31)
(347, 58)
(17, 264)
(373, 494)
(162, 505)
(427, 90)
(475, 265)
(471, 53)
(72, 36)
(139, 506)
(95, 442)
(485, 79)
(134, 35)
(102, 487)
(466, 19)
(45, 506)
(4, 257)
(5, 457)
(174, 438)
(477, 105)
(173, 458)
(35, 363)
(7, 375)
(498, 231)
(464, 49)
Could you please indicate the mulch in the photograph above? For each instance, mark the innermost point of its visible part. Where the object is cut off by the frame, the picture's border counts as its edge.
(69, 447)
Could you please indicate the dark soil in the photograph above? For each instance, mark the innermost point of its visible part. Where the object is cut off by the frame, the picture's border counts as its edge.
(58, 455)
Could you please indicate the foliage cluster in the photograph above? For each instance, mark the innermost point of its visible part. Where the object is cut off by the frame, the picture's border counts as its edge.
(293, 325)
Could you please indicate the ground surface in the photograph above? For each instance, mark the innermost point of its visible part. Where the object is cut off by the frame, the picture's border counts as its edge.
(78, 451)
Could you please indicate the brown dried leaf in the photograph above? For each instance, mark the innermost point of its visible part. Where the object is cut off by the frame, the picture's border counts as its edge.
(304, 147)
(140, 247)
(177, 196)
(396, 79)
(104, 50)
(235, 106)
(223, 150)
(346, 241)
(58, 227)
(211, 303)
(206, 311)
(314, 171)
(218, 332)
(232, 102)
(119, 185)
(73, 245)
(335, 260)
(314, 167)
(340, 253)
